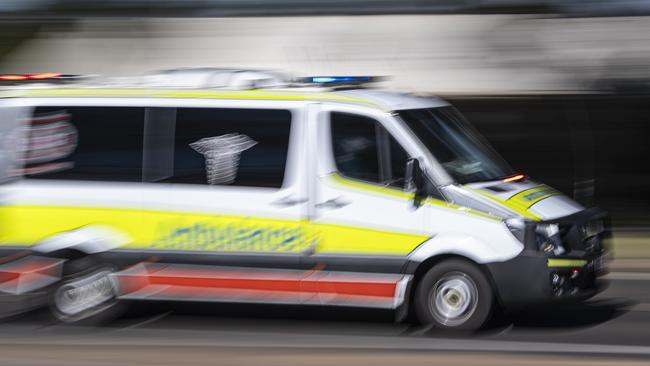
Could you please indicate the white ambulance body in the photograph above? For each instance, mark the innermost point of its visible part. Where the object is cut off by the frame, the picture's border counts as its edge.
(292, 195)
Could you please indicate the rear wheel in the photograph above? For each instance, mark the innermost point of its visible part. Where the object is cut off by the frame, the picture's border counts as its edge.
(454, 295)
(85, 293)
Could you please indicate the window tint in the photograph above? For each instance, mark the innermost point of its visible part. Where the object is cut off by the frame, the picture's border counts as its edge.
(216, 146)
(355, 147)
(84, 143)
(364, 150)
(398, 159)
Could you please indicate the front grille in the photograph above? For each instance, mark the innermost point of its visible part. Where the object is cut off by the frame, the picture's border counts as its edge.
(584, 233)
(575, 238)
(593, 245)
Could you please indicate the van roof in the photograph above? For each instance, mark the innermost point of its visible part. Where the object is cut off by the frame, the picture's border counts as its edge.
(384, 100)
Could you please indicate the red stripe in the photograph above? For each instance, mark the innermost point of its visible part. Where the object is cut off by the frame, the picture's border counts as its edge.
(306, 283)
(27, 266)
(231, 283)
(24, 269)
(8, 276)
(179, 291)
(383, 289)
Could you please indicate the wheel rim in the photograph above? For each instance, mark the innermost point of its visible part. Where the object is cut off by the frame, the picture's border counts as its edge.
(453, 299)
(82, 295)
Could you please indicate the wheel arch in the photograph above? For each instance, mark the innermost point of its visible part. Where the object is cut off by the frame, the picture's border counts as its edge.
(418, 269)
(87, 240)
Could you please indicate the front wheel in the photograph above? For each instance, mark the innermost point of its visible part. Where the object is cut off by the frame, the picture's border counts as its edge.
(454, 295)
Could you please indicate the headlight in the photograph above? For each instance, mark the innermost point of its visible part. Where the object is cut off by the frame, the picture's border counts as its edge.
(542, 237)
(517, 227)
(545, 245)
(548, 239)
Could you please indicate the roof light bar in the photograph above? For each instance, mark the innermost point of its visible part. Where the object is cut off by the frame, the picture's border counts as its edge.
(329, 80)
(45, 77)
(13, 77)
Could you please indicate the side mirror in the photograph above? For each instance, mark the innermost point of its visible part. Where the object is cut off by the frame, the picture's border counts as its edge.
(414, 181)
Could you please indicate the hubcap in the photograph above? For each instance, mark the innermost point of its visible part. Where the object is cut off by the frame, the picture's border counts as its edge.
(453, 299)
(76, 297)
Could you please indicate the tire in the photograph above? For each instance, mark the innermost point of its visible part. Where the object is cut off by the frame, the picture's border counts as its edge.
(454, 295)
(85, 294)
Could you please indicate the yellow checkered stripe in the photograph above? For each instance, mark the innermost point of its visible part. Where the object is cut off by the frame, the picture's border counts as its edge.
(197, 232)
(190, 231)
(529, 197)
(522, 201)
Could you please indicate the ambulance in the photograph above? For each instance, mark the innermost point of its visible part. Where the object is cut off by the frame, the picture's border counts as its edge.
(219, 185)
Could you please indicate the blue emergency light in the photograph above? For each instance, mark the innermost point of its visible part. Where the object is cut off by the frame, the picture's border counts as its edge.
(340, 80)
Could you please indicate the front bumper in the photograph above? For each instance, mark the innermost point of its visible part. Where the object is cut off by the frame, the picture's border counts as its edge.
(533, 278)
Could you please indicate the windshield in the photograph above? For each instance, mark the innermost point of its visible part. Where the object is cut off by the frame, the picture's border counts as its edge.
(461, 150)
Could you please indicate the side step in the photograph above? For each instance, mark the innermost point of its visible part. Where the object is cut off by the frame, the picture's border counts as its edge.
(157, 281)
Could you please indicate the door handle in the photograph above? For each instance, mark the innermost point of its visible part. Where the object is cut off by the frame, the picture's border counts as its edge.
(333, 203)
(288, 201)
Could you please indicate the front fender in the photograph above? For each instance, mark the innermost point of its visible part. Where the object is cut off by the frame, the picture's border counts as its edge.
(475, 249)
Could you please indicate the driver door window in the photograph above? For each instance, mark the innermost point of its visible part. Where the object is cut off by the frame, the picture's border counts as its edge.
(364, 150)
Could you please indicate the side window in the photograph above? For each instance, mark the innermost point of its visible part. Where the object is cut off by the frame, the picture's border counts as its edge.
(84, 143)
(364, 150)
(241, 147)
(354, 141)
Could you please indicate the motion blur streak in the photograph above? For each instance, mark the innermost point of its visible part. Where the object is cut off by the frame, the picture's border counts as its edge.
(425, 53)
(560, 88)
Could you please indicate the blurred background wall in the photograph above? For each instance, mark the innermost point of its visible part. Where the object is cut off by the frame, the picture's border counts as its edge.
(490, 53)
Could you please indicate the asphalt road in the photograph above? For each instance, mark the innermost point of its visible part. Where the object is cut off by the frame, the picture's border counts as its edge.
(609, 329)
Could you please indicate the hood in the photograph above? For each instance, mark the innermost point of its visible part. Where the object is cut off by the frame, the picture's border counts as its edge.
(528, 198)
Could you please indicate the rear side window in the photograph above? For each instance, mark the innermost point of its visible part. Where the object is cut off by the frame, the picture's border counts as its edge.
(219, 146)
(84, 143)
(364, 150)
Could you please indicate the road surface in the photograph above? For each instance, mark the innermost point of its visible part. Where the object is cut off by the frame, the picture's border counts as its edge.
(610, 329)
